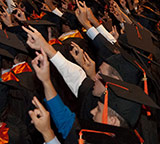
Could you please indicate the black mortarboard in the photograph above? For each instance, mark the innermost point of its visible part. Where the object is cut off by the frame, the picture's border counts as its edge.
(120, 135)
(6, 54)
(40, 22)
(9, 40)
(133, 92)
(140, 38)
(126, 99)
(125, 68)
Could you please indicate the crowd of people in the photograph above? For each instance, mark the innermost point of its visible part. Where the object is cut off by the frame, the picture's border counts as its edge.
(79, 71)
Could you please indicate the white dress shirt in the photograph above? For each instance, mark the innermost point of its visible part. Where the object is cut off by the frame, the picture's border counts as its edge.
(71, 73)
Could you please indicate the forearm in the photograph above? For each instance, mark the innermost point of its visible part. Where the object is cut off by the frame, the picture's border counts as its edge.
(95, 22)
(71, 73)
(49, 90)
(126, 18)
(61, 115)
(49, 50)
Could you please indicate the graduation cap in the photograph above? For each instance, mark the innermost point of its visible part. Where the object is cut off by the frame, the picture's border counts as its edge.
(97, 133)
(127, 69)
(6, 53)
(39, 23)
(9, 41)
(140, 38)
(126, 99)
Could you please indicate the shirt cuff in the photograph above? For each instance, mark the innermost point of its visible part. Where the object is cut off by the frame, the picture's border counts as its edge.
(53, 141)
(57, 12)
(106, 34)
(92, 33)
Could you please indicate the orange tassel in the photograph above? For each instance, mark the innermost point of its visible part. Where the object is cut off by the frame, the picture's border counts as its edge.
(138, 135)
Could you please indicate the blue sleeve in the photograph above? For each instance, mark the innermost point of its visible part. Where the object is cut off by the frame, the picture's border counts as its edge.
(61, 115)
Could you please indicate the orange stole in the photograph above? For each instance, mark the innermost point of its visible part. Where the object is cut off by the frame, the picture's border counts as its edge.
(9, 76)
(4, 138)
(36, 16)
(24, 67)
(72, 34)
(54, 41)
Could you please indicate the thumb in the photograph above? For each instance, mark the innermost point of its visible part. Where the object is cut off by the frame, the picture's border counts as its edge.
(33, 116)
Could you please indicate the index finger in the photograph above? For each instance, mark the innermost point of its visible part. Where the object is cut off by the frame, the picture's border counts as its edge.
(27, 30)
(39, 105)
(44, 54)
(78, 4)
(4, 9)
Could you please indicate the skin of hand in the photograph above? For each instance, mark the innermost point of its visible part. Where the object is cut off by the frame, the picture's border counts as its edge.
(20, 15)
(123, 4)
(50, 4)
(45, 7)
(81, 14)
(3, 4)
(114, 32)
(118, 16)
(115, 6)
(77, 53)
(6, 17)
(42, 71)
(36, 41)
(89, 66)
(42, 123)
(90, 15)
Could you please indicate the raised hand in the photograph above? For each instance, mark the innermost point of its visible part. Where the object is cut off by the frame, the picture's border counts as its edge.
(89, 66)
(50, 4)
(81, 14)
(35, 39)
(6, 17)
(123, 3)
(45, 7)
(41, 120)
(20, 15)
(114, 32)
(41, 66)
(77, 53)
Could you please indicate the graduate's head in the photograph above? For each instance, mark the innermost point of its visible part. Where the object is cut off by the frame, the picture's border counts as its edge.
(124, 99)
(113, 117)
(107, 70)
(21, 58)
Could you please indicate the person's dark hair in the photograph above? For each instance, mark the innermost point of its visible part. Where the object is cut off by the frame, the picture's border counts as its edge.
(112, 113)
(22, 57)
(6, 64)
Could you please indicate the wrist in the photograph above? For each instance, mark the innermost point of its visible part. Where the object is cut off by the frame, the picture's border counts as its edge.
(93, 75)
(10, 25)
(48, 135)
(50, 51)
(94, 21)
(87, 25)
(47, 83)
(51, 6)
